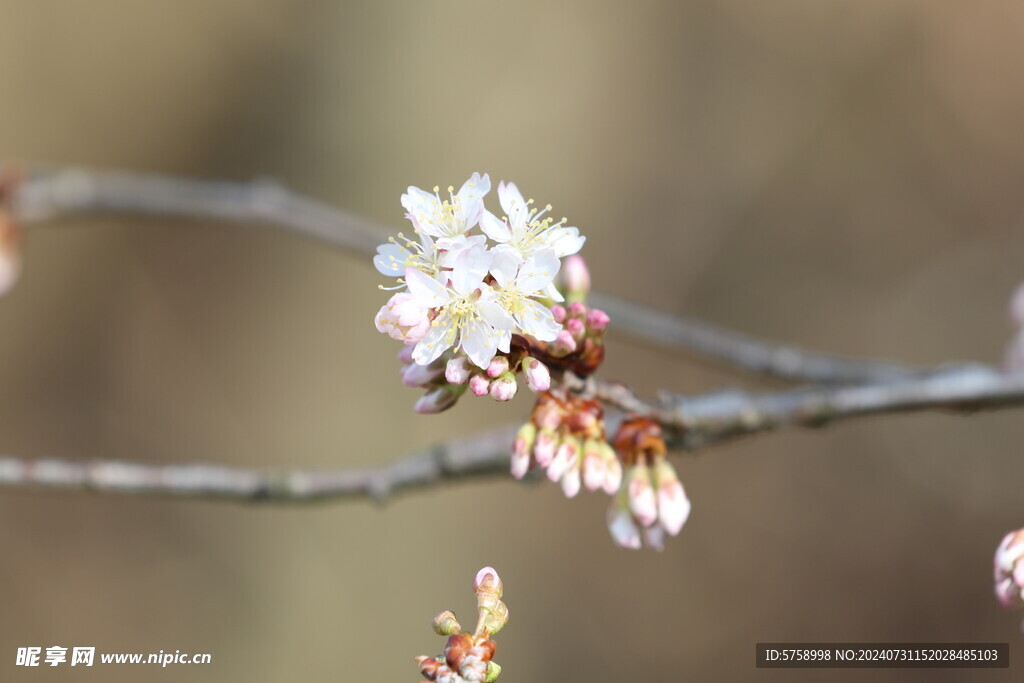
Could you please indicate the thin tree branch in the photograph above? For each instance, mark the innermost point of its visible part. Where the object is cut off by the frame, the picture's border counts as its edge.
(472, 457)
(692, 422)
(697, 421)
(53, 193)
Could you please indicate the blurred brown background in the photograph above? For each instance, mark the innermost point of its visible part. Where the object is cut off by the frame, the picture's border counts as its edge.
(842, 175)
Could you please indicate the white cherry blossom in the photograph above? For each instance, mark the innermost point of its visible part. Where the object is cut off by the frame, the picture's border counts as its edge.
(518, 283)
(467, 314)
(457, 215)
(525, 229)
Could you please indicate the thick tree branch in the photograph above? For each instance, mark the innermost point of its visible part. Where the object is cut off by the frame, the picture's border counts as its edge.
(63, 192)
(691, 421)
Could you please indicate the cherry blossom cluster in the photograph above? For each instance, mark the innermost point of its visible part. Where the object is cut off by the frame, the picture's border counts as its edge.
(1009, 570)
(477, 311)
(467, 656)
(565, 437)
(651, 501)
(470, 303)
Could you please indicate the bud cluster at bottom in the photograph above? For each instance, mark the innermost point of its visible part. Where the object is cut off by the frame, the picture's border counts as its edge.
(467, 656)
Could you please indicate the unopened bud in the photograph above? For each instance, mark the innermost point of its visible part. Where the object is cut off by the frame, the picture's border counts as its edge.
(563, 345)
(445, 624)
(545, 446)
(621, 526)
(405, 355)
(497, 367)
(558, 312)
(613, 474)
(458, 370)
(437, 400)
(479, 385)
(421, 375)
(642, 501)
(571, 482)
(597, 320)
(566, 457)
(538, 377)
(673, 505)
(577, 329)
(594, 467)
(504, 387)
(577, 277)
(487, 583)
(577, 309)
(1009, 570)
(496, 618)
(521, 448)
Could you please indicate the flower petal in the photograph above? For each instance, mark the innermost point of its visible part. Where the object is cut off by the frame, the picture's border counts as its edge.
(469, 268)
(537, 321)
(564, 241)
(480, 342)
(426, 289)
(390, 259)
(494, 227)
(510, 197)
(505, 264)
(438, 339)
(492, 312)
(538, 272)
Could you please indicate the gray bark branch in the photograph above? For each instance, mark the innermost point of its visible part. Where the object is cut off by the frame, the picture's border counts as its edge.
(691, 422)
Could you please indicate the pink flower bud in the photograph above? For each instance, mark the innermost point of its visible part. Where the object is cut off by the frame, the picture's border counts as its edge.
(548, 415)
(487, 581)
(642, 501)
(521, 448)
(405, 355)
(458, 370)
(622, 527)
(504, 388)
(545, 447)
(613, 469)
(558, 312)
(403, 318)
(436, 400)
(673, 505)
(577, 276)
(565, 458)
(497, 367)
(1009, 570)
(594, 467)
(479, 385)
(420, 375)
(597, 320)
(538, 377)
(571, 482)
(563, 345)
(577, 309)
(577, 329)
